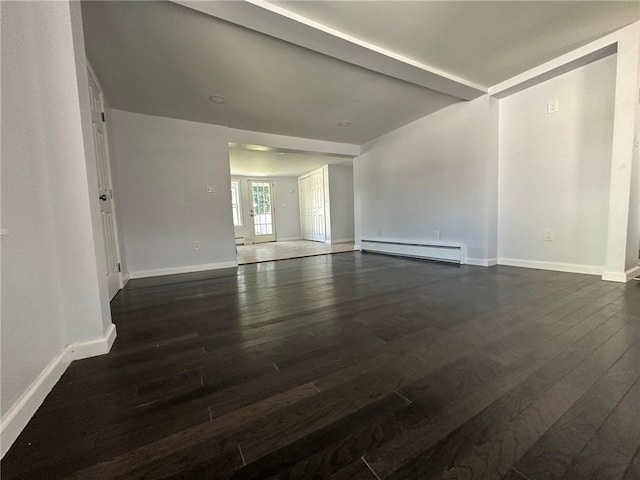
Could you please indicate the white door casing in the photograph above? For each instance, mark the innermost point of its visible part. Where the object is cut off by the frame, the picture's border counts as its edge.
(105, 191)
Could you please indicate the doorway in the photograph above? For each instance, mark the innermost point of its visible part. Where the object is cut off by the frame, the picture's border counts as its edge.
(262, 213)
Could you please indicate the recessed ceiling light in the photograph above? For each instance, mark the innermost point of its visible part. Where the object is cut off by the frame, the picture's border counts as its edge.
(217, 99)
(344, 123)
(280, 153)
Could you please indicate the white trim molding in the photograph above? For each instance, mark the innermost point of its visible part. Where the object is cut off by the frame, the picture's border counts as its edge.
(19, 414)
(481, 262)
(158, 272)
(288, 239)
(93, 348)
(555, 266)
(621, 277)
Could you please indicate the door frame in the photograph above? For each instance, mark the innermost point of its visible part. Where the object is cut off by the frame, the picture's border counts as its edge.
(273, 208)
(121, 275)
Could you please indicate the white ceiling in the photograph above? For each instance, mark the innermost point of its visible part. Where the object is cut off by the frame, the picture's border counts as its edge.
(484, 42)
(273, 164)
(164, 59)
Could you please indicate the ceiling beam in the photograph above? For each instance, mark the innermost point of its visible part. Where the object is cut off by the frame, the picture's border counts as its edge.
(282, 143)
(600, 48)
(277, 22)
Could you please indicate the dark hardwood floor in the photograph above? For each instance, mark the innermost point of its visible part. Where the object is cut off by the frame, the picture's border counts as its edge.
(352, 366)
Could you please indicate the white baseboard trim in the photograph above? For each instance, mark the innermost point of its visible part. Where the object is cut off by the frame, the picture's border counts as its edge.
(18, 416)
(93, 348)
(26, 406)
(124, 279)
(288, 239)
(341, 240)
(621, 277)
(555, 266)
(186, 269)
(357, 247)
(481, 262)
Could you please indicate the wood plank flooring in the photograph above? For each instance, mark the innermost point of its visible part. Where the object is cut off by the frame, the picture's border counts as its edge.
(352, 366)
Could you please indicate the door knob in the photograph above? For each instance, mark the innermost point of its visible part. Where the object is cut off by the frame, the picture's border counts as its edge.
(103, 197)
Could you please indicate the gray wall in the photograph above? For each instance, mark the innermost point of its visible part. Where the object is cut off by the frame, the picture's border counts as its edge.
(163, 166)
(555, 168)
(341, 202)
(436, 173)
(52, 273)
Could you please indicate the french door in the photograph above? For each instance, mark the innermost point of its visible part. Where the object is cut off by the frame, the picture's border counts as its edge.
(262, 211)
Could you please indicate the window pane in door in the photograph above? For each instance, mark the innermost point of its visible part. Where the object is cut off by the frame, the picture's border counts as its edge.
(262, 217)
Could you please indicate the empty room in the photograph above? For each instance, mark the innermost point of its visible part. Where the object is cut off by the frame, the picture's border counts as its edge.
(337, 240)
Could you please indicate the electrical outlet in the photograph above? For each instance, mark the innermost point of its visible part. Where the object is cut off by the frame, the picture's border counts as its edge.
(196, 245)
(548, 235)
(211, 189)
(552, 106)
(436, 234)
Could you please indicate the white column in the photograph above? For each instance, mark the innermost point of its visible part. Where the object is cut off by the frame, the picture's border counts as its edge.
(621, 200)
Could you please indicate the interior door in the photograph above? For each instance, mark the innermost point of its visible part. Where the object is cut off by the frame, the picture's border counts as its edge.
(262, 212)
(317, 206)
(305, 208)
(105, 192)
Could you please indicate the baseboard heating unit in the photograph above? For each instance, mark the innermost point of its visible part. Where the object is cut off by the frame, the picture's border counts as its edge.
(443, 252)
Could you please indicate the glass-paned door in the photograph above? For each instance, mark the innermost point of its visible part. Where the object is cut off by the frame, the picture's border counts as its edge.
(262, 212)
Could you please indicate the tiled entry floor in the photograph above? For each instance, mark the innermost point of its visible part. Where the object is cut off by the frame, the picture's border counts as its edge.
(263, 252)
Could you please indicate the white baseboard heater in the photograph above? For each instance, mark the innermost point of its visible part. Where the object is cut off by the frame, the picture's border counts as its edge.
(444, 252)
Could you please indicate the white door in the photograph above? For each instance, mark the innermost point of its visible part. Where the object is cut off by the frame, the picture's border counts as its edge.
(305, 208)
(105, 192)
(317, 206)
(262, 212)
